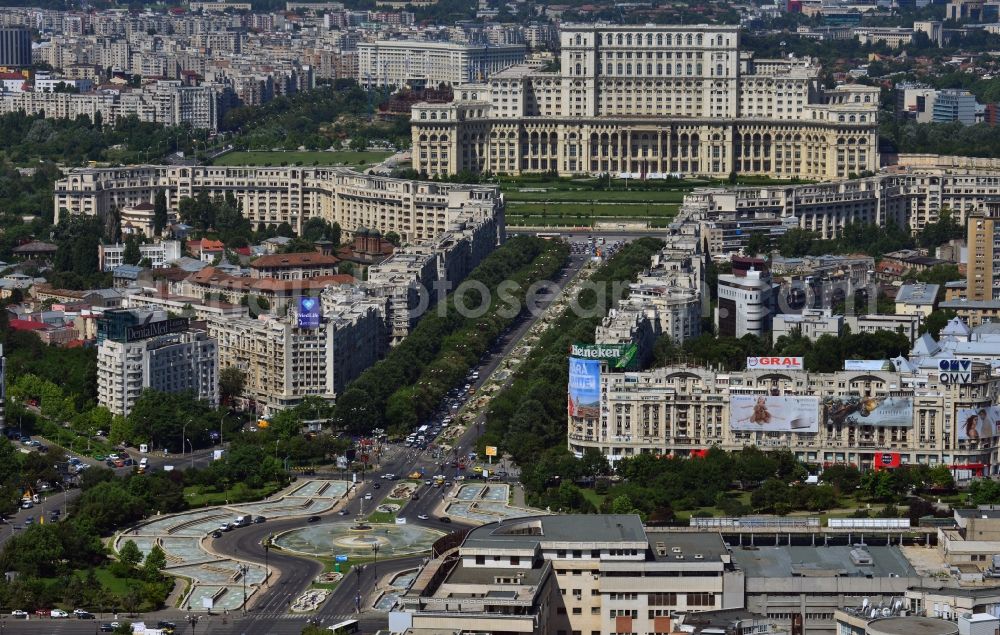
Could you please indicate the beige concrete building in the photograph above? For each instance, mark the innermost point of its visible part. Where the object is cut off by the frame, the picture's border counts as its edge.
(551, 575)
(415, 210)
(677, 409)
(651, 101)
(983, 271)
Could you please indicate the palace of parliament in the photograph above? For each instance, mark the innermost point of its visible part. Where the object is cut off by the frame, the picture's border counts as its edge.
(647, 101)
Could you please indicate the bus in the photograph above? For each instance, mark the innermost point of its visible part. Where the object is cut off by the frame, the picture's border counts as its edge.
(344, 628)
(547, 235)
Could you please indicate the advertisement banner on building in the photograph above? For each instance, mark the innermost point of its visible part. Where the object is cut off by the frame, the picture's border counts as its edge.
(153, 329)
(886, 460)
(584, 399)
(775, 363)
(977, 423)
(308, 313)
(868, 364)
(883, 412)
(618, 356)
(772, 413)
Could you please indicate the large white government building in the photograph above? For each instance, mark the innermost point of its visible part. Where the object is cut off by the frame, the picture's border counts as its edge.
(651, 101)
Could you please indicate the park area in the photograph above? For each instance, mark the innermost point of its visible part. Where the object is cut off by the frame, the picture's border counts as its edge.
(585, 202)
(278, 158)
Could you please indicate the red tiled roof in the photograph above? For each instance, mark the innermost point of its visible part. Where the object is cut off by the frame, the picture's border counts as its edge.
(27, 325)
(298, 259)
(212, 245)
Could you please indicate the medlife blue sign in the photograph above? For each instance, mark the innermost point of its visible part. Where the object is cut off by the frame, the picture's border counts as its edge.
(308, 313)
(340, 558)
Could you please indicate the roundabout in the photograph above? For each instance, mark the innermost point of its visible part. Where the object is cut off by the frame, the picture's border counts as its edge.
(359, 541)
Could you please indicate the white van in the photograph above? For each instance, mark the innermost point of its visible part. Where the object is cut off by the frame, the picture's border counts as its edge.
(242, 521)
(143, 462)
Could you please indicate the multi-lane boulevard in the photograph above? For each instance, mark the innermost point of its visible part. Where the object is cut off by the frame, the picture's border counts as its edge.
(268, 610)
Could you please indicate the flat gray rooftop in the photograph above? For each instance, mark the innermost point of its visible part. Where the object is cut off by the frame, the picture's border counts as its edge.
(462, 574)
(709, 545)
(784, 562)
(912, 625)
(529, 531)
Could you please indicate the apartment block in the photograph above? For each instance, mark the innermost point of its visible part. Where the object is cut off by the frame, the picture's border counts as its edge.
(423, 63)
(141, 348)
(983, 269)
(110, 257)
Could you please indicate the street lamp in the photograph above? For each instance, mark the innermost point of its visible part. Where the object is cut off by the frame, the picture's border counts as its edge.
(243, 575)
(375, 563)
(191, 448)
(184, 435)
(267, 549)
(192, 620)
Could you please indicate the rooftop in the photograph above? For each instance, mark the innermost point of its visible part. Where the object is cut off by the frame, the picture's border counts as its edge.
(298, 259)
(918, 293)
(794, 561)
(912, 625)
(528, 532)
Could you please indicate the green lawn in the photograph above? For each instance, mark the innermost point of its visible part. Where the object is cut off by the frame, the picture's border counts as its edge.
(596, 499)
(201, 496)
(388, 518)
(571, 210)
(304, 158)
(587, 195)
(114, 585)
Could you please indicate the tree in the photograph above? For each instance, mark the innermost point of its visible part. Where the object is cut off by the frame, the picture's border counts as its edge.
(758, 243)
(132, 255)
(231, 383)
(129, 554)
(393, 238)
(160, 217)
(156, 560)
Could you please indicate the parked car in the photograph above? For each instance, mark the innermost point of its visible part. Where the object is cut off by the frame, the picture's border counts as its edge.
(216, 534)
(58, 613)
(84, 615)
(19, 614)
(422, 516)
(258, 520)
(169, 627)
(107, 628)
(312, 519)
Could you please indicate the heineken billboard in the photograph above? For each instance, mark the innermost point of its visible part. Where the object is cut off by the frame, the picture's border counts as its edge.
(618, 356)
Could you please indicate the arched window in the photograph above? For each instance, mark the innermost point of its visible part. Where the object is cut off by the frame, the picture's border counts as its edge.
(667, 69)
(628, 69)
(423, 114)
(851, 118)
(638, 68)
(669, 39)
(628, 39)
(698, 39)
(698, 69)
(689, 39)
(579, 69)
(659, 69)
(619, 39)
(579, 40)
(649, 68)
(680, 68)
(689, 69)
(620, 71)
(718, 41)
(649, 39)
(659, 39)
(840, 118)
(718, 70)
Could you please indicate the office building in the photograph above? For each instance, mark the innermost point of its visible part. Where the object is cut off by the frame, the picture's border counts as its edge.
(810, 324)
(422, 64)
(159, 254)
(747, 302)
(983, 268)
(142, 349)
(559, 574)
(293, 266)
(15, 46)
(953, 104)
(651, 101)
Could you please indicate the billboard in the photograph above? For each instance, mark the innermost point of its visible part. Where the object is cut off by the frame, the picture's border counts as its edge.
(977, 423)
(776, 363)
(584, 399)
(868, 364)
(491, 450)
(152, 329)
(955, 371)
(772, 413)
(308, 313)
(619, 356)
(881, 412)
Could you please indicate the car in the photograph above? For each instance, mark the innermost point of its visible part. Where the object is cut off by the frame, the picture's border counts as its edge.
(343, 512)
(34, 443)
(225, 527)
(368, 496)
(377, 486)
(109, 463)
(19, 614)
(258, 520)
(73, 460)
(414, 496)
(445, 519)
(216, 534)
(107, 628)
(119, 463)
(30, 520)
(312, 519)
(169, 627)
(27, 504)
(427, 482)
(422, 516)
(78, 611)
(115, 624)
(25, 440)
(448, 483)
(84, 615)
(100, 457)
(58, 613)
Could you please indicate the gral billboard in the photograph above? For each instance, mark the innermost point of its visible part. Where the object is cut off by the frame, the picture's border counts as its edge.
(308, 313)
(881, 412)
(584, 398)
(977, 423)
(772, 413)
